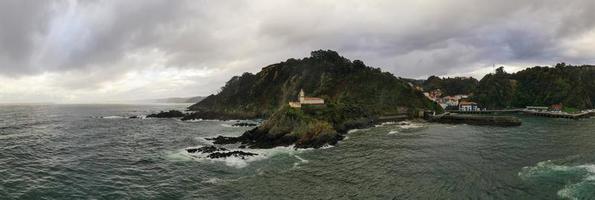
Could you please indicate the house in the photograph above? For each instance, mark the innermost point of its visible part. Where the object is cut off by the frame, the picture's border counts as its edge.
(468, 106)
(451, 100)
(556, 107)
(304, 100)
(434, 94)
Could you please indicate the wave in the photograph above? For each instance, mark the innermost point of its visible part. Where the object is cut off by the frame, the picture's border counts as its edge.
(410, 125)
(579, 180)
(300, 161)
(233, 161)
(202, 120)
(384, 124)
(357, 130)
(113, 117)
(227, 125)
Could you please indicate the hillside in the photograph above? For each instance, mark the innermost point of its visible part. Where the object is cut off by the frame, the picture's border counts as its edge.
(573, 86)
(325, 74)
(451, 86)
(354, 94)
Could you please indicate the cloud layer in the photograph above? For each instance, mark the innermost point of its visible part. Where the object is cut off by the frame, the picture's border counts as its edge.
(105, 50)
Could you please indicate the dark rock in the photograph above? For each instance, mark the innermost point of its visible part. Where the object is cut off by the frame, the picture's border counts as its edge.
(225, 140)
(205, 149)
(168, 114)
(244, 124)
(240, 154)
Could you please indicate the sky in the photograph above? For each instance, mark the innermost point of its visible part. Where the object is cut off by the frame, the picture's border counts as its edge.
(68, 51)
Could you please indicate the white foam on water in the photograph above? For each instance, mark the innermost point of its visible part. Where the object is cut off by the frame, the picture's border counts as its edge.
(353, 130)
(410, 125)
(357, 130)
(238, 162)
(213, 180)
(113, 117)
(301, 161)
(385, 124)
(203, 140)
(392, 132)
(227, 125)
(202, 120)
(572, 189)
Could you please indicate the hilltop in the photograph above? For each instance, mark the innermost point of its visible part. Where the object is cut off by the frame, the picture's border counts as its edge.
(355, 95)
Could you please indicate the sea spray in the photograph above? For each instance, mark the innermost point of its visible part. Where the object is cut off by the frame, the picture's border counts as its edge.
(574, 181)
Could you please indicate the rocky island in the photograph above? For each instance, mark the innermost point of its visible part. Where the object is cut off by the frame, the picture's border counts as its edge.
(344, 95)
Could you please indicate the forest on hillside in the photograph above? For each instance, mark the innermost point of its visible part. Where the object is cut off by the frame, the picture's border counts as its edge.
(572, 86)
(451, 86)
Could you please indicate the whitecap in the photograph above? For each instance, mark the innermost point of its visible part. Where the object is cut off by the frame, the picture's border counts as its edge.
(392, 132)
(357, 130)
(239, 162)
(548, 170)
(384, 124)
(113, 117)
(410, 125)
(213, 180)
(353, 130)
(202, 120)
(300, 161)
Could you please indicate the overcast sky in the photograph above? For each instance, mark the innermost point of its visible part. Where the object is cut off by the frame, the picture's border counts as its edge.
(97, 51)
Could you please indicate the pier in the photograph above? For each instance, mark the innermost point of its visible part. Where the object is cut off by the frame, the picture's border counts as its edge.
(560, 114)
(476, 120)
(532, 112)
(487, 111)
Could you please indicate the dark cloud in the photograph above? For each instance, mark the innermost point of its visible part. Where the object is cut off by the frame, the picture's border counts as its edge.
(22, 23)
(94, 42)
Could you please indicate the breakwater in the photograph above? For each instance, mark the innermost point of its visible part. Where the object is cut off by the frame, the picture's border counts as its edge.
(476, 119)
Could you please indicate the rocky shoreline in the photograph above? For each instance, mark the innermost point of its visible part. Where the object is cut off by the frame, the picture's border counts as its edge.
(219, 152)
(167, 114)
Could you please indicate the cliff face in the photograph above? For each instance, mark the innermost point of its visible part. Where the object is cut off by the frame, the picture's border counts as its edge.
(324, 74)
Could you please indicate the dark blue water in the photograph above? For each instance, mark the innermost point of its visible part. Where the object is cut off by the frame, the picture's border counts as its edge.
(69, 152)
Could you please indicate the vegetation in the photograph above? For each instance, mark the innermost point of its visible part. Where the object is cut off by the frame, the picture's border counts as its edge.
(354, 95)
(573, 86)
(451, 86)
(325, 74)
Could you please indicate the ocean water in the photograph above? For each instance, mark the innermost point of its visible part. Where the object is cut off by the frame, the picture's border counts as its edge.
(96, 152)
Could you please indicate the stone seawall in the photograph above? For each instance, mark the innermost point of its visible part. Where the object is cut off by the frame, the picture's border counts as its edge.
(477, 120)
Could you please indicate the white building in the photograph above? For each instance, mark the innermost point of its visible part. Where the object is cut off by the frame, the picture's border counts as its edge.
(303, 100)
(468, 106)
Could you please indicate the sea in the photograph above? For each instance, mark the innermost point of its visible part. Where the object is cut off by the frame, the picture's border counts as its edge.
(97, 152)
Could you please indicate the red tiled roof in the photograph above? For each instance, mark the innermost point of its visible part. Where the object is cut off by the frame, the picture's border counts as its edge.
(467, 103)
(312, 98)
